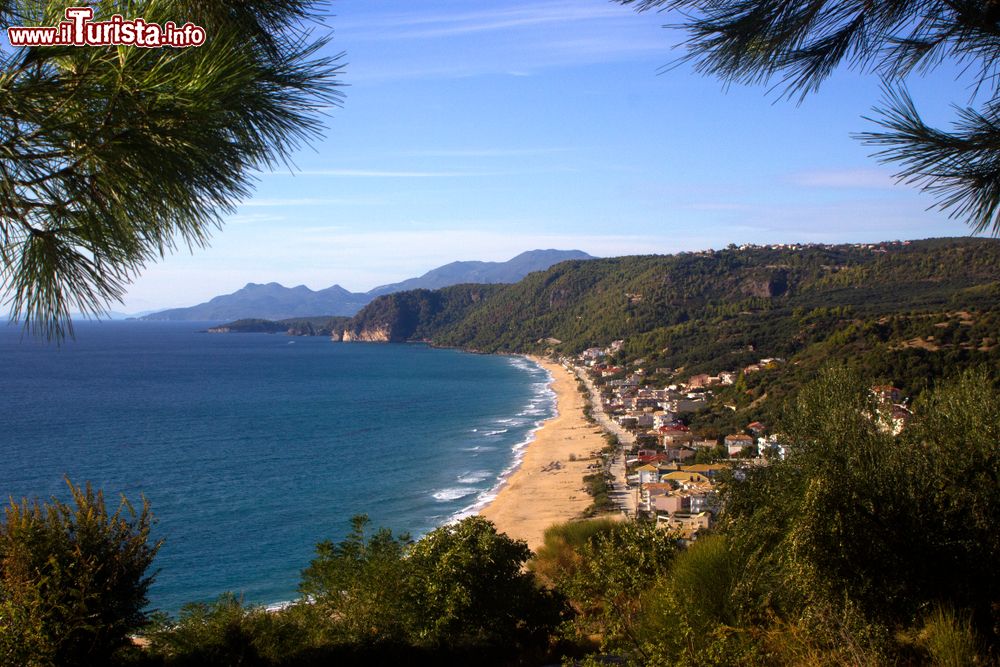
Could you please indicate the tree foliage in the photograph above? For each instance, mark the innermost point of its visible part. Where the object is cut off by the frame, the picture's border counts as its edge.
(861, 547)
(559, 557)
(472, 590)
(359, 582)
(458, 590)
(689, 617)
(73, 579)
(801, 42)
(229, 632)
(865, 530)
(112, 156)
(607, 579)
(800, 520)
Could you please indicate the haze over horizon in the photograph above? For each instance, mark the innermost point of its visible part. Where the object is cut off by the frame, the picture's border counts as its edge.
(476, 130)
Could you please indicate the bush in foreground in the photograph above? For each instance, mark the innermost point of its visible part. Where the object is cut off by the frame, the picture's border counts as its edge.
(73, 579)
(458, 595)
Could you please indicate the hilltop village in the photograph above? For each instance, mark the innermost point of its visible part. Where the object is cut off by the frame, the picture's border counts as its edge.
(666, 470)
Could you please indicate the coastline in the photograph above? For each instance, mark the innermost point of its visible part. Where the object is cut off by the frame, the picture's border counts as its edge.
(547, 487)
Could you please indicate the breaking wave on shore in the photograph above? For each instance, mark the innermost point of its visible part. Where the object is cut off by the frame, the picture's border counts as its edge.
(540, 408)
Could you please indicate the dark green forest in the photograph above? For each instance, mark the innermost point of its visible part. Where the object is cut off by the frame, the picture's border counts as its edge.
(690, 307)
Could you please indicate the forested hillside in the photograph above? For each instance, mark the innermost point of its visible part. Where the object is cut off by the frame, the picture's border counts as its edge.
(295, 326)
(691, 308)
(903, 313)
(750, 291)
(417, 314)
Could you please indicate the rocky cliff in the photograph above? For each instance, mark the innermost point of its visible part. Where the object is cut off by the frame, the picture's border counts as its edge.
(367, 335)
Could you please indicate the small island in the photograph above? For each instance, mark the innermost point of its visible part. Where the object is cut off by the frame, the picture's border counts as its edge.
(296, 326)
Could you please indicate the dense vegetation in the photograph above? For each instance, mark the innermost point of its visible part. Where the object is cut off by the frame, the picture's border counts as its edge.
(73, 580)
(668, 303)
(420, 314)
(295, 326)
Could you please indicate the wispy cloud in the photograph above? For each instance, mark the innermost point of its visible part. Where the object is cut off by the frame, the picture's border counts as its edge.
(716, 206)
(303, 201)
(420, 25)
(379, 173)
(516, 40)
(483, 152)
(419, 174)
(865, 179)
(397, 254)
(252, 218)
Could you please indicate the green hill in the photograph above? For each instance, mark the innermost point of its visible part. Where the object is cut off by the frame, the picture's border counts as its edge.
(902, 311)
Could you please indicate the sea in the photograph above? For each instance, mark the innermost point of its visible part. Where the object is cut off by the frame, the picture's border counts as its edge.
(252, 448)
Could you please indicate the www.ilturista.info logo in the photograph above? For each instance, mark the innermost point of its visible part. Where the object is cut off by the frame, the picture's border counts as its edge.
(79, 30)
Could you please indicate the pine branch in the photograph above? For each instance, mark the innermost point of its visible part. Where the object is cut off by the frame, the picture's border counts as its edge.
(111, 157)
(961, 169)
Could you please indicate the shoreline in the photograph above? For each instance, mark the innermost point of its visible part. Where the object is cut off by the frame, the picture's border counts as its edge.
(547, 487)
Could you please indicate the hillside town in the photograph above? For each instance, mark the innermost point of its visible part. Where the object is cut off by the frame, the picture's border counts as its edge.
(667, 471)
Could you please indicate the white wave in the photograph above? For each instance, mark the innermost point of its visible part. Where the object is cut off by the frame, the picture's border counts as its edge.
(499, 431)
(541, 406)
(522, 364)
(474, 477)
(453, 493)
(484, 498)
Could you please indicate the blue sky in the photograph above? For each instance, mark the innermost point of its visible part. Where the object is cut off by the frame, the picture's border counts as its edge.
(477, 129)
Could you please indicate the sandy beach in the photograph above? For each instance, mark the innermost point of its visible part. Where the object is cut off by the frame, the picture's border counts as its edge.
(548, 488)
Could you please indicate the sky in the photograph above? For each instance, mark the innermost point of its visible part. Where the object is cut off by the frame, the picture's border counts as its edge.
(478, 129)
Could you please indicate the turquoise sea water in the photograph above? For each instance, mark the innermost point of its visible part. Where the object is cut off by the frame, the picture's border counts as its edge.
(252, 447)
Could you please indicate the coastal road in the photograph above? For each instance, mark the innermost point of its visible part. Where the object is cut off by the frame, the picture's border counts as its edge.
(623, 494)
(597, 410)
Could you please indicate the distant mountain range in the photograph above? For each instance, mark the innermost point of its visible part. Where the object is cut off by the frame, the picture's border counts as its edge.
(276, 302)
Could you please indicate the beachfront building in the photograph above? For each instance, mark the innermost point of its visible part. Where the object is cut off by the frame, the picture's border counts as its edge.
(648, 474)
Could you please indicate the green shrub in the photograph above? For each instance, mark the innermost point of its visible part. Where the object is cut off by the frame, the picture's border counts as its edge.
(461, 587)
(73, 578)
(615, 567)
(559, 556)
(228, 632)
